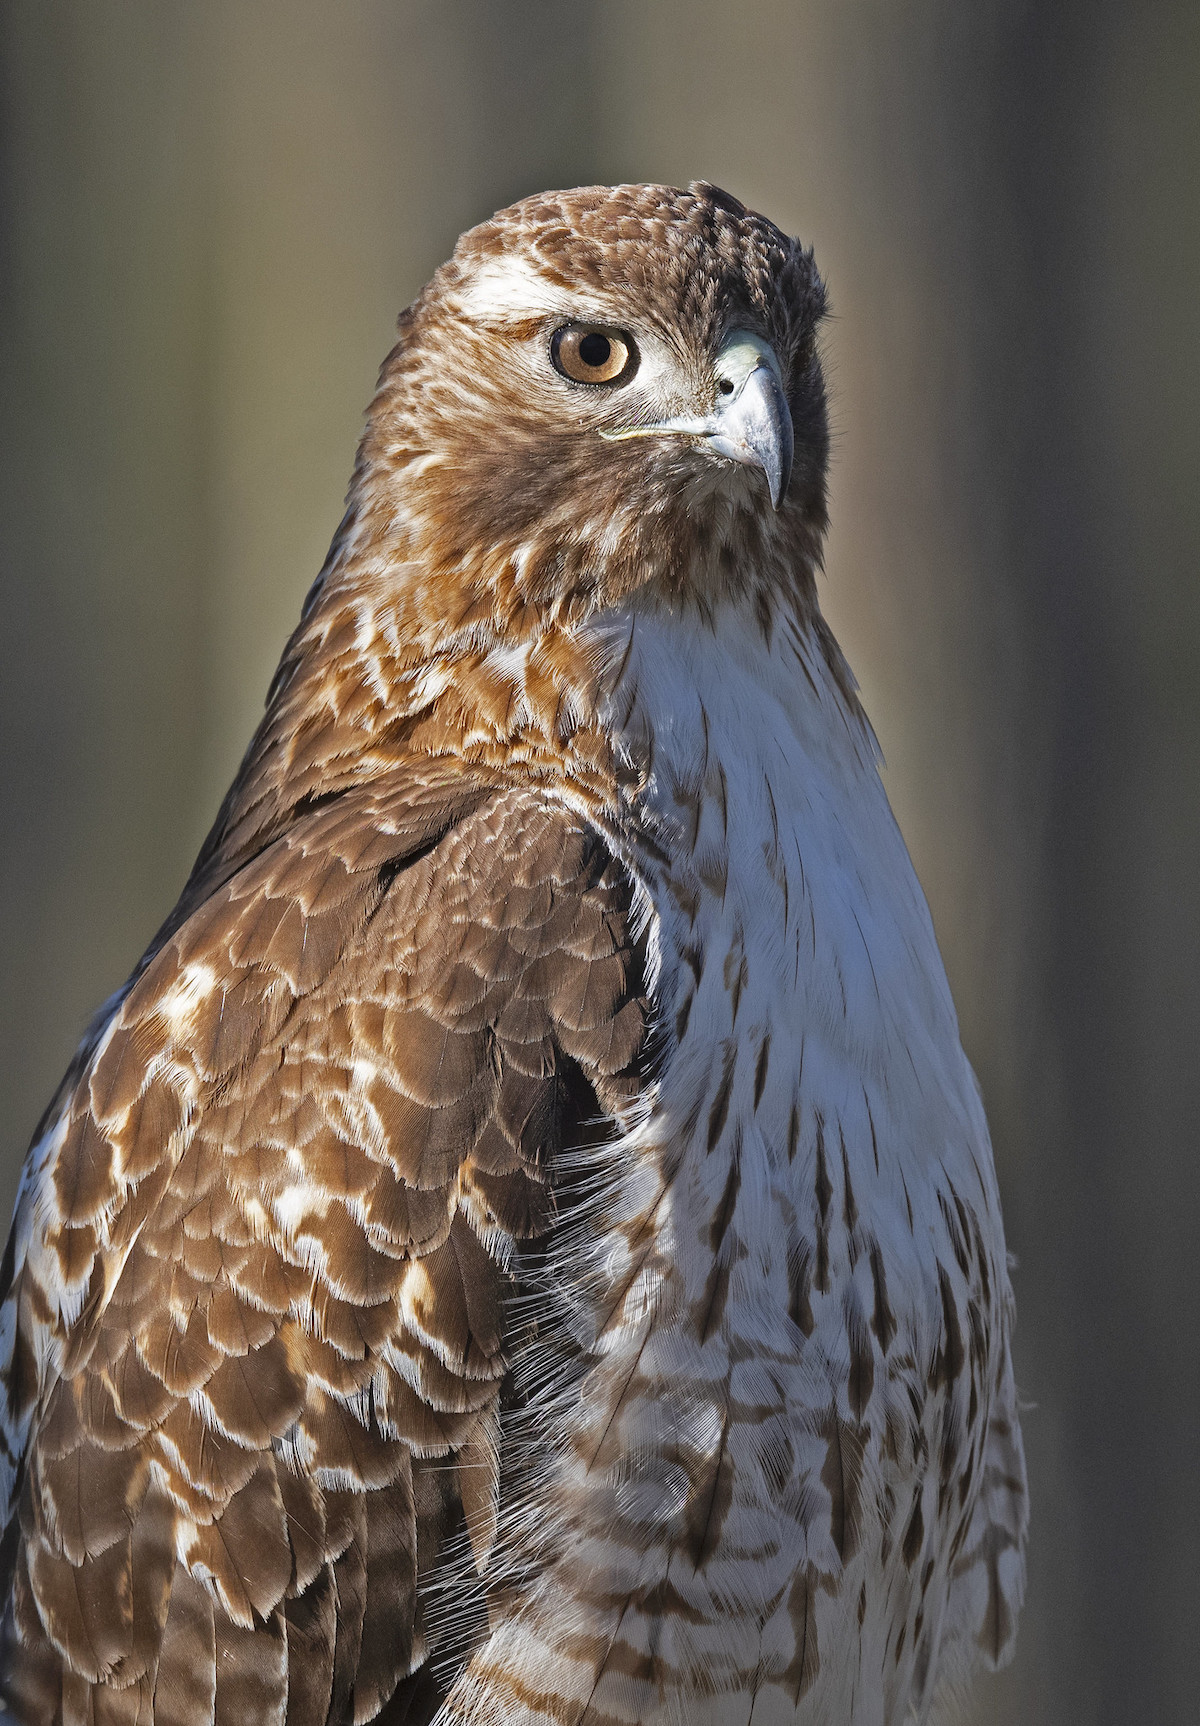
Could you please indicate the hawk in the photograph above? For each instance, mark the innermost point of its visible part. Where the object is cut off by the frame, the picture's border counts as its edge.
(523, 1246)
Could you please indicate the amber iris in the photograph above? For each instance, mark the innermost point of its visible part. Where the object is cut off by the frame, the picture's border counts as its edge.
(588, 355)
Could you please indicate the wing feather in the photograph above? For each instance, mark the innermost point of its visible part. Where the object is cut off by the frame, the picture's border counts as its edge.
(259, 1263)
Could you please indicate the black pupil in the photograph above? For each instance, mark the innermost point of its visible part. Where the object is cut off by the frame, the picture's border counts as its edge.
(595, 351)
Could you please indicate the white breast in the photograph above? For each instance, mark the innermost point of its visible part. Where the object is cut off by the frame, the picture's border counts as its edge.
(820, 987)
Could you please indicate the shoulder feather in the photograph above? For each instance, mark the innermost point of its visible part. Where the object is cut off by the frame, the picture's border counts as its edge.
(261, 1268)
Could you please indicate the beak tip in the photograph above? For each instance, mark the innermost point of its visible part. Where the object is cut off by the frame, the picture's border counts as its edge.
(758, 423)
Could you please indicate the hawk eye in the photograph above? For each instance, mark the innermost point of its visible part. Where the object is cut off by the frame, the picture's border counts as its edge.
(588, 355)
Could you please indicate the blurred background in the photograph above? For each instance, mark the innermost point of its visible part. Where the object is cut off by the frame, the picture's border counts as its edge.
(211, 214)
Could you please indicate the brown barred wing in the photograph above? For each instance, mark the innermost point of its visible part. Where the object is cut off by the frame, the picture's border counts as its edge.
(258, 1308)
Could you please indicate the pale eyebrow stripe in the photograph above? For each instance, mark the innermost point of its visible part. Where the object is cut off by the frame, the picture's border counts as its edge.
(511, 287)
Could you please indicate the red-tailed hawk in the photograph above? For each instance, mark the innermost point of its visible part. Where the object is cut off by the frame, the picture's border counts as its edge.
(523, 1247)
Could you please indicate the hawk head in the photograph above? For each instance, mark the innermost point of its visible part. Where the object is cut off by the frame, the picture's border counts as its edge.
(606, 399)
(608, 391)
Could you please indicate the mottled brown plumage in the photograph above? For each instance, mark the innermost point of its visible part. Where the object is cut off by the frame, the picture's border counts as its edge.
(288, 1416)
(466, 1266)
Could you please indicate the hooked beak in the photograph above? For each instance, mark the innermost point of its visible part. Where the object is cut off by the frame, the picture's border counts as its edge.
(751, 423)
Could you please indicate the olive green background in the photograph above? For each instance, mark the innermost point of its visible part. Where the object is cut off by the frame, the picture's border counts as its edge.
(211, 212)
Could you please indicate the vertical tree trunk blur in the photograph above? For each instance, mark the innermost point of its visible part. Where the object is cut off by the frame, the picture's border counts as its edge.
(103, 355)
(212, 214)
